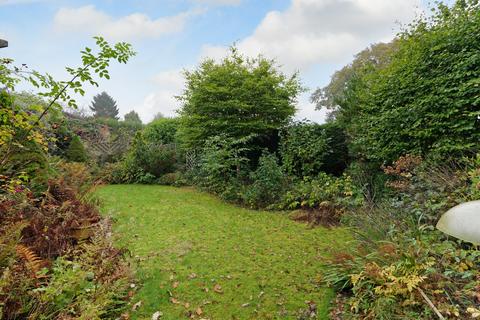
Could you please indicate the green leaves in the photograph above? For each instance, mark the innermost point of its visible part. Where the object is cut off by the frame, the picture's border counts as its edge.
(237, 97)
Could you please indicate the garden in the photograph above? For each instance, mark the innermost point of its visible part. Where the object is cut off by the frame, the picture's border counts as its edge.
(235, 210)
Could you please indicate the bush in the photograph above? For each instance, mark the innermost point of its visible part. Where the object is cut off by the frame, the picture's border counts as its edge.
(76, 151)
(148, 160)
(221, 167)
(268, 183)
(170, 179)
(309, 193)
(306, 149)
(398, 257)
(49, 266)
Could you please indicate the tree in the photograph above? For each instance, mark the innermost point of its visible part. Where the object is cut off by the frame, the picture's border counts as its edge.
(333, 96)
(425, 101)
(104, 106)
(158, 116)
(237, 97)
(132, 116)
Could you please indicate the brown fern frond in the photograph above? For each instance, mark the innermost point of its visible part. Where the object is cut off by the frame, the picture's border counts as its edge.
(33, 262)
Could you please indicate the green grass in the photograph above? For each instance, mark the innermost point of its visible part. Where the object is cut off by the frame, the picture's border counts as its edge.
(187, 242)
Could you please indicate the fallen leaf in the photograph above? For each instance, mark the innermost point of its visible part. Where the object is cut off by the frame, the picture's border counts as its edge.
(186, 305)
(192, 276)
(175, 284)
(172, 277)
(157, 315)
(136, 305)
(199, 311)
(218, 288)
(245, 305)
(173, 300)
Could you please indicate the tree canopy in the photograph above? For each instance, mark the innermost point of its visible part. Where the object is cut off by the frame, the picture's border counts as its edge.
(104, 106)
(237, 97)
(132, 116)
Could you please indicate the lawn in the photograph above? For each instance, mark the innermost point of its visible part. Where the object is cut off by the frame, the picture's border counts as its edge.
(202, 258)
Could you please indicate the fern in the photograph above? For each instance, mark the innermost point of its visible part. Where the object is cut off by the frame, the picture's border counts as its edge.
(33, 262)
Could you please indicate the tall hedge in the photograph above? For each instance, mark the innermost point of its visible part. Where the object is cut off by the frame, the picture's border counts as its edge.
(427, 100)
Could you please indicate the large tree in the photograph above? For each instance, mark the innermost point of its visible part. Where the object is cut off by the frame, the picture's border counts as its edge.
(132, 117)
(237, 97)
(104, 106)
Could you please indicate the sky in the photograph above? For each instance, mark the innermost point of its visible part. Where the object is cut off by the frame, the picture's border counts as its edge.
(312, 37)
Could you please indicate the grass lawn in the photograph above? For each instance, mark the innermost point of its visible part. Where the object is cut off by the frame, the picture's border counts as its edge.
(205, 259)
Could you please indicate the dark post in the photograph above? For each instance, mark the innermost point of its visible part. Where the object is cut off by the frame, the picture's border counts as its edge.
(3, 43)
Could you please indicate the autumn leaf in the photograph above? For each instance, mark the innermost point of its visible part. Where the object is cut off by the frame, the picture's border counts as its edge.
(186, 305)
(199, 311)
(218, 288)
(174, 301)
(175, 284)
(192, 276)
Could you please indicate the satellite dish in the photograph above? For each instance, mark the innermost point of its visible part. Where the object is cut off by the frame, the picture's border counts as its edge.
(462, 222)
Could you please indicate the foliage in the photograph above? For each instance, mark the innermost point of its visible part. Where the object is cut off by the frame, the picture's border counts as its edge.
(22, 126)
(425, 101)
(398, 255)
(76, 151)
(104, 106)
(49, 265)
(222, 166)
(132, 116)
(237, 97)
(312, 192)
(268, 183)
(162, 131)
(149, 158)
(333, 96)
(307, 149)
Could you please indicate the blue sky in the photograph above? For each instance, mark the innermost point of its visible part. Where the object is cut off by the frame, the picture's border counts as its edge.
(314, 37)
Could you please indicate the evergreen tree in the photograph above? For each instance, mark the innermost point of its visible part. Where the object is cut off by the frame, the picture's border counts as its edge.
(76, 151)
(104, 106)
(132, 116)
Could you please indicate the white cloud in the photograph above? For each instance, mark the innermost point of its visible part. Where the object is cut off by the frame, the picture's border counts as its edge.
(170, 84)
(88, 19)
(323, 31)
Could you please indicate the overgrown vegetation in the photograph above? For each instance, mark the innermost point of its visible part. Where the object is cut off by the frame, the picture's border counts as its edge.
(51, 234)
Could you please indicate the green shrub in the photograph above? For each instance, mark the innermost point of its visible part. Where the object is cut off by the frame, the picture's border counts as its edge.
(76, 151)
(397, 254)
(170, 179)
(222, 167)
(162, 131)
(306, 149)
(268, 183)
(311, 192)
(148, 160)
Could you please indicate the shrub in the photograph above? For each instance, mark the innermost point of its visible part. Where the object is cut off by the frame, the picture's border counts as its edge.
(49, 266)
(398, 259)
(170, 179)
(152, 154)
(268, 183)
(311, 192)
(221, 167)
(306, 149)
(76, 151)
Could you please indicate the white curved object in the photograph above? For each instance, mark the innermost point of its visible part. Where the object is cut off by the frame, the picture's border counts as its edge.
(462, 222)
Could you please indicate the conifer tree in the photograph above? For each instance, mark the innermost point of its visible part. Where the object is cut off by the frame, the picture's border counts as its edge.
(104, 106)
